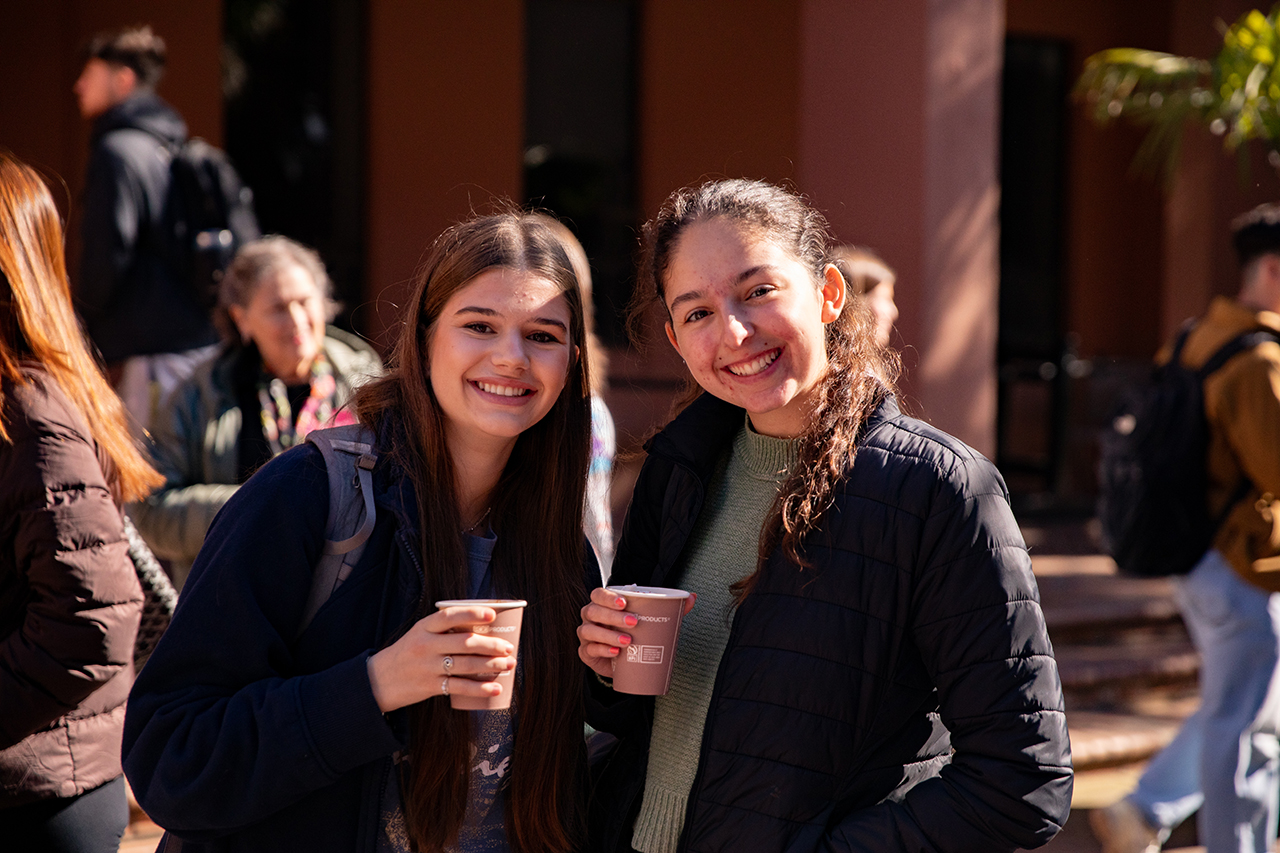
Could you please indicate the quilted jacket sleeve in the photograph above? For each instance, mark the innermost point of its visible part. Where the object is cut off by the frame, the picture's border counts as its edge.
(175, 519)
(66, 550)
(981, 634)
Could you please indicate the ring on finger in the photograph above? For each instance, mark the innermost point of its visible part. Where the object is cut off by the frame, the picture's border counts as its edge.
(444, 686)
(448, 665)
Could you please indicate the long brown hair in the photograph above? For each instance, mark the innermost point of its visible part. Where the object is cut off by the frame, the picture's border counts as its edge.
(38, 324)
(859, 375)
(537, 514)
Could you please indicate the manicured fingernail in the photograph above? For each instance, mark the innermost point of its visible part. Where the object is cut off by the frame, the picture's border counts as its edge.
(631, 621)
(623, 639)
(614, 651)
(620, 603)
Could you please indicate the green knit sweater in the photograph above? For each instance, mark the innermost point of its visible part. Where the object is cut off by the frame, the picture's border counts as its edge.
(722, 549)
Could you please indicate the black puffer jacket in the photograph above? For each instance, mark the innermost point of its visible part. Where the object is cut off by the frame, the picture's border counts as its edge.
(899, 695)
(132, 301)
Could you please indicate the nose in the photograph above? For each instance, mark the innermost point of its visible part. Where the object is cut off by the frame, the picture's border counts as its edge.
(737, 328)
(298, 314)
(509, 352)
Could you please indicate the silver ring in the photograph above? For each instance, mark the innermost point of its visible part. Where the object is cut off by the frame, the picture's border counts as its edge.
(444, 686)
(448, 664)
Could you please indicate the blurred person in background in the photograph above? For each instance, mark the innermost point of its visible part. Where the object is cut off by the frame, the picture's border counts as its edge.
(598, 518)
(281, 372)
(69, 596)
(870, 278)
(146, 320)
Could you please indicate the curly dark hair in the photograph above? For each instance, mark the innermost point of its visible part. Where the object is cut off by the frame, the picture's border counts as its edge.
(860, 373)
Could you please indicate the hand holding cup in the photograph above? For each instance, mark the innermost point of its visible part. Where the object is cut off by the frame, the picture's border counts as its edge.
(413, 667)
(619, 634)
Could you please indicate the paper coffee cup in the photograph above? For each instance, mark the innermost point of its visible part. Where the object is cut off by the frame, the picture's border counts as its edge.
(644, 666)
(507, 626)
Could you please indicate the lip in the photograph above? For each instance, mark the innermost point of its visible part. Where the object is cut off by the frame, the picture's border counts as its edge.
(745, 361)
(503, 399)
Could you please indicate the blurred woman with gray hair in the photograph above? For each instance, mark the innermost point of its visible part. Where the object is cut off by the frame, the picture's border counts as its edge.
(281, 372)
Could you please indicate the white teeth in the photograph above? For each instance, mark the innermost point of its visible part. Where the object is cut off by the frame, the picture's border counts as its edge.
(751, 368)
(503, 390)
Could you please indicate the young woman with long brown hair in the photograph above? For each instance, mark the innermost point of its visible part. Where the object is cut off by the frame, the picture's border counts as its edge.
(69, 596)
(243, 735)
(866, 666)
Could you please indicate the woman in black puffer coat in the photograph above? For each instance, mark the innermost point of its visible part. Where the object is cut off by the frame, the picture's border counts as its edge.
(870, 670)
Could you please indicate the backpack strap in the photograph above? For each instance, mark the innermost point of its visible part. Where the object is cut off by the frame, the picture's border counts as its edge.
(349, 458)
(1232, 348)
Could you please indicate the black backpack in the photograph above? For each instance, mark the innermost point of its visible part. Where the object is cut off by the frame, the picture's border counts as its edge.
(210, 216)
(1152, 476)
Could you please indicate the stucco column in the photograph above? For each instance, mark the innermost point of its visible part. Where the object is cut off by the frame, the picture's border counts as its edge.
(899, 143)
(446, 132)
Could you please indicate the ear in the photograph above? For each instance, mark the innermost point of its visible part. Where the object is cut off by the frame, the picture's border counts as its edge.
(834, 292)
(124, 80)
(671, 336)
(238, 316)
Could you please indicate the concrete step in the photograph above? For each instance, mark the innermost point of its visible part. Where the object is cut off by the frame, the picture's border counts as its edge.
(1082, 605)
(1100, 739)
(1128, 661)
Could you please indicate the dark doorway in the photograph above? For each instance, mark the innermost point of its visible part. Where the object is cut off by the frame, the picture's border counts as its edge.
(1036, 356)
(580, 136)
(293, 79)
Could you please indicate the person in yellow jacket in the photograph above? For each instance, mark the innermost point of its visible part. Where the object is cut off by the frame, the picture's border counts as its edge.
(1225, 761)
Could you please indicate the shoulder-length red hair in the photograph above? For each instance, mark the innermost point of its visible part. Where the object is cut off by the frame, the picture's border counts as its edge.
(38, 324)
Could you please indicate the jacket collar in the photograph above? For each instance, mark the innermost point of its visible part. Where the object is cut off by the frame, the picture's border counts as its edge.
(146, 111)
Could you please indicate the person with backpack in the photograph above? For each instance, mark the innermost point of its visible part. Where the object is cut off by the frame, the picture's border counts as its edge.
(1225, 760)
(260, 724)
(139, 288)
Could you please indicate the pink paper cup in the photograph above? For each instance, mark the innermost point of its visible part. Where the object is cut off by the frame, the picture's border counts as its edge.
(507, 626)
(643, 667)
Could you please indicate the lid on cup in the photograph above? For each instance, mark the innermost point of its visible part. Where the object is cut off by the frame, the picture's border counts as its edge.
(648, 591)
(497, 603)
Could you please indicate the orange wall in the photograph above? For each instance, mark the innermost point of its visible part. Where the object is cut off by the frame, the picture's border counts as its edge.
(446, 130)
(717, 93)
(40, 57)
(899, 140)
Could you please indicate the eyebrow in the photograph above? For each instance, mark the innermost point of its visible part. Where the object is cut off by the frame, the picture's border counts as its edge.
(489, 312)
(738, 279)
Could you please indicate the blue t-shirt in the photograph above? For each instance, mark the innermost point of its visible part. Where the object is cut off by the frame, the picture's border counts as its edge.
(483, 830)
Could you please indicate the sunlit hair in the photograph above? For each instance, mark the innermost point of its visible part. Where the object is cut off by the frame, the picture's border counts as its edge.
(253, 263)
(862, 268)
(582, 269)
(38, 325)
(860, 373)
(133, 47)
(536, 511)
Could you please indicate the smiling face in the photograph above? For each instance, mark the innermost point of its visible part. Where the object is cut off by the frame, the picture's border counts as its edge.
(285, 318)
(499, 356)
(748, 319)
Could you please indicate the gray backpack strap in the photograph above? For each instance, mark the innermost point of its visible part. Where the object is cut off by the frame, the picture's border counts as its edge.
(349, 457)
